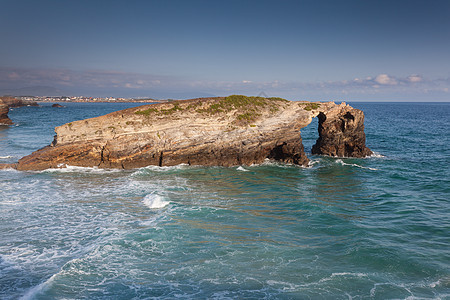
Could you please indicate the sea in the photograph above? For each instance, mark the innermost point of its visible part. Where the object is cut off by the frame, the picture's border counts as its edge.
(341, 228)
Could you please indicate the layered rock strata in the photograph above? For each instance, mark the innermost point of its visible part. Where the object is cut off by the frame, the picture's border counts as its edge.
(4, 109)
(222, 131)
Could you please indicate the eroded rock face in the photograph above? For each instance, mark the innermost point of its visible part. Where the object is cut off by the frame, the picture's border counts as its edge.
(4, 109)
(341, 134)
(222, 131)
(210, 132)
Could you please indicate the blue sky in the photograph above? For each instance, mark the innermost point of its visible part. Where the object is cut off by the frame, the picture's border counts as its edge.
(301, 50)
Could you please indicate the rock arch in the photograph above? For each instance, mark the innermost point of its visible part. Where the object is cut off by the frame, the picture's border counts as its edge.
(341, 134)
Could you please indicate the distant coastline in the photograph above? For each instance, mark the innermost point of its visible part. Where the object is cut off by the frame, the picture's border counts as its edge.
(78, 99)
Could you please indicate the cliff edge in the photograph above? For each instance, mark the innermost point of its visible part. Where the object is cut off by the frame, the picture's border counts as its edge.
(220, 131)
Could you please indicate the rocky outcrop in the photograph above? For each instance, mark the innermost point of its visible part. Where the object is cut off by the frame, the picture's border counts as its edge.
(57, 105)
(341, 134)
(13, 102)
(4, 109)
(222, 131)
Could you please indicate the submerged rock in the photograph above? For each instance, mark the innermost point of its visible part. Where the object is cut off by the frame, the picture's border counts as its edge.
(57, 105)
(221, 131)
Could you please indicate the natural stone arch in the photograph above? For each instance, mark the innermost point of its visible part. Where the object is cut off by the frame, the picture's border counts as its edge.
(341, 134)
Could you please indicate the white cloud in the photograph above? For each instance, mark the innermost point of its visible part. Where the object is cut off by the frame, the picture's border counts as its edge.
(114, 82)
(415, 78)
(385, 79)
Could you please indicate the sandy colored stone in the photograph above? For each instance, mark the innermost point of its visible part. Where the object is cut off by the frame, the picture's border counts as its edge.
(207, 131)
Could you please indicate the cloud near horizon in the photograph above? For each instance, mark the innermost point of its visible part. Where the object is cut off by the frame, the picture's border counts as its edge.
(128, 84)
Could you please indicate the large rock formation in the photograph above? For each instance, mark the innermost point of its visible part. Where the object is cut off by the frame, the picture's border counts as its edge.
(222, 131)
(14, 102)
(4, 109)
(341, 134)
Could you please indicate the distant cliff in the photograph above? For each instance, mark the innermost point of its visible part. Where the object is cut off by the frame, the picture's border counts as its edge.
(14, 102)
(4, 109)
(221, 131)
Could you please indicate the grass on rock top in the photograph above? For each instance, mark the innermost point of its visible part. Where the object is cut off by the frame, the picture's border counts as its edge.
(246, 105)
(310, 106)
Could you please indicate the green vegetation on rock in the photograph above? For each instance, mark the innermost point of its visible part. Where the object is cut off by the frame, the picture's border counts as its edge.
(248, 116)
(246, 105)
(169, 111)
(311, 106)
(146, 112)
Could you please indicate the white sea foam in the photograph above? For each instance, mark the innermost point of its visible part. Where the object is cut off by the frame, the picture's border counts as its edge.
(31, 293)
(240, 168)
(376, 155)
(5, 157)
(166, 168)
(340, 161)
(313, 162)
(154, 201)
(9, 170)
(349, 274)
(271, 162)
(63, 168)
(442, 281)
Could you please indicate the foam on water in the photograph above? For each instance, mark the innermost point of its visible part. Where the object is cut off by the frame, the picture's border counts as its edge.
(154, 201)
(313, 162)
(340, 161)
(64, 168)
(240, 168)
(166, 168)
(376, 155)
(5, 157)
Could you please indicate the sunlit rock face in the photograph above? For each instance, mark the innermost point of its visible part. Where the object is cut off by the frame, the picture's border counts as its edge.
(220, 131)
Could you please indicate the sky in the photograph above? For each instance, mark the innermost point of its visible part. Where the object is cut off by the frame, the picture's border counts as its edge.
(317, 50)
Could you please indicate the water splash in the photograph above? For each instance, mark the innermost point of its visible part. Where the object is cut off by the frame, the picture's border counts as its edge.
(154, 201)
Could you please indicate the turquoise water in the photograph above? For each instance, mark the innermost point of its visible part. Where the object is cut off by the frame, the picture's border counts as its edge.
(374, 228)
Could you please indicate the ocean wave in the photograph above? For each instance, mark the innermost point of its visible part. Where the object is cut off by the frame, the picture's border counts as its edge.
(6, 157)
(154, 201)
(341, 162)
